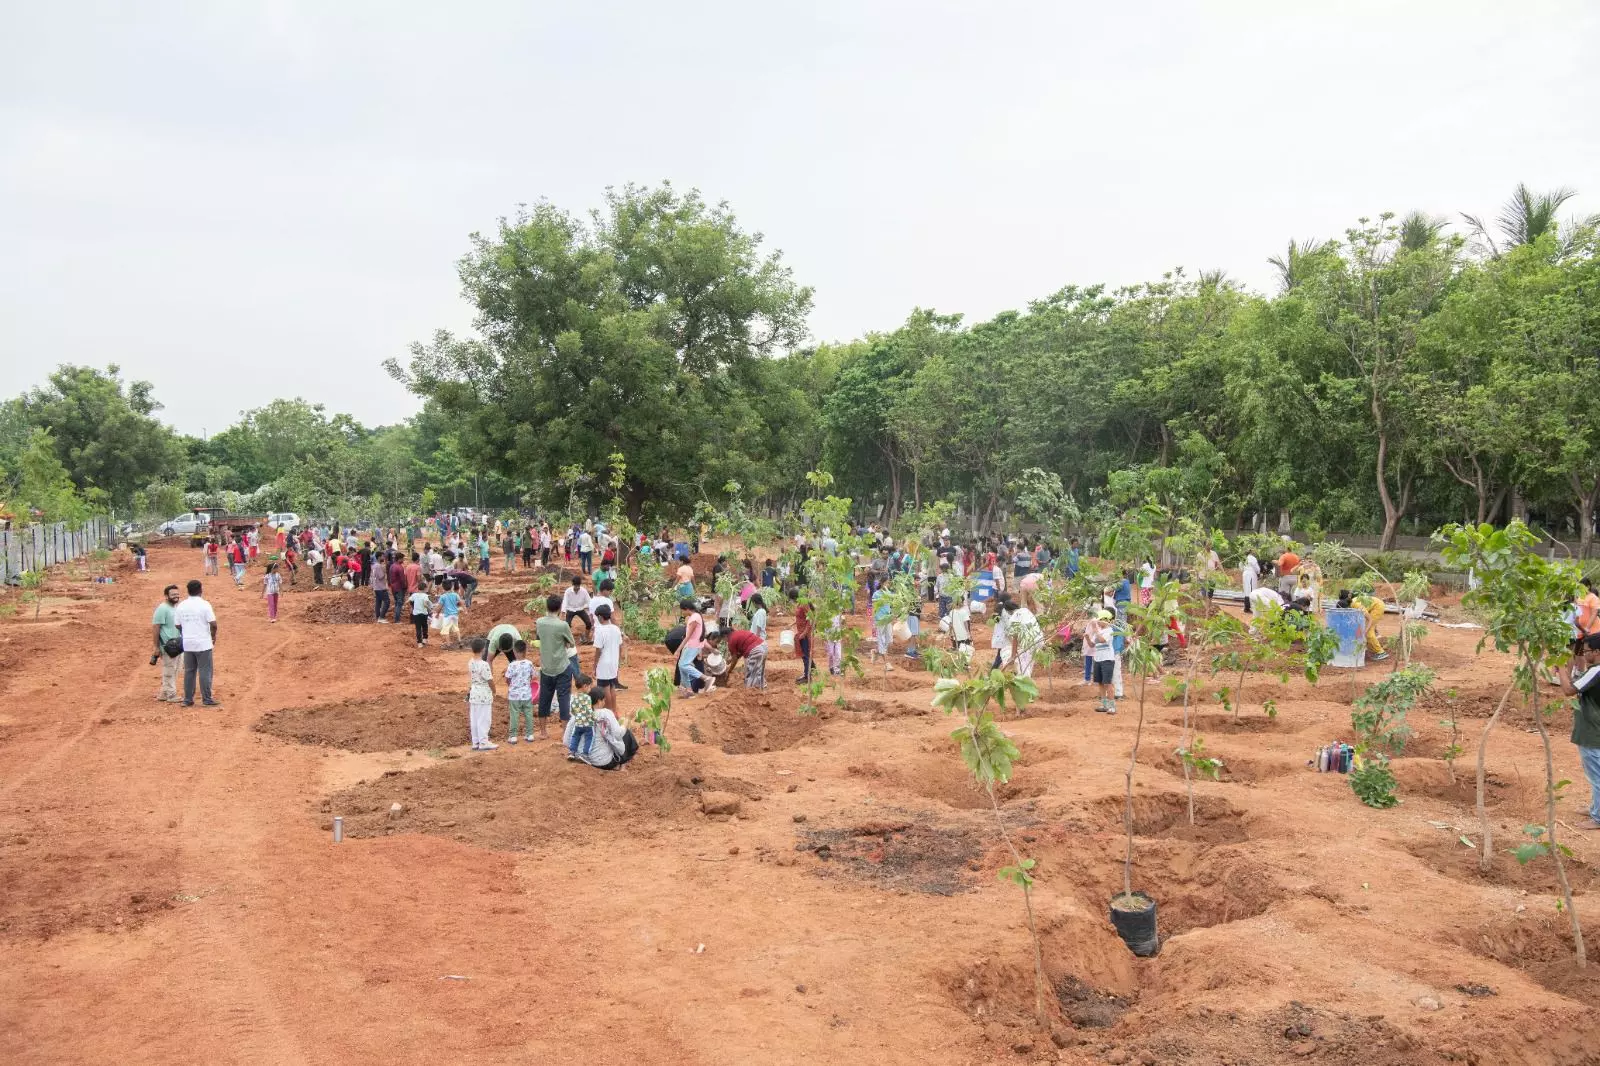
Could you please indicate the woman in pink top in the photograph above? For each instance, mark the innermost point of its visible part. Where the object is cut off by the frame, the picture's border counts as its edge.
(694, 629)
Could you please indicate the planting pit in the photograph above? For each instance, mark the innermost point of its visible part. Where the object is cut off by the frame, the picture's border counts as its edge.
(878, 710)
(418, 720)
(945, 779)
(875, 680)
(899, 852)
(1236, 769)
(1253, 720)
(1166, 814)
(530, 797)
(1447, 856)
(1424, 777)
(1539, 946)
(751, 721)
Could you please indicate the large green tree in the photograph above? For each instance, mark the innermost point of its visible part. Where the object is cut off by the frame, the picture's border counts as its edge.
(638, 331)
(104, 432)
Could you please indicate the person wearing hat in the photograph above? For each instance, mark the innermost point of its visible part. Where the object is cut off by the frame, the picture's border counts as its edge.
(1101, 636)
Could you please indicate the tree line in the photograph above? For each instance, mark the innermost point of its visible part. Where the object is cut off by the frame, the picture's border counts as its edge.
(1408, 373)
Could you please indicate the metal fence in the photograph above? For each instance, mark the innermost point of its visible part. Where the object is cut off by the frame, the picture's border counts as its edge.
(36, 547)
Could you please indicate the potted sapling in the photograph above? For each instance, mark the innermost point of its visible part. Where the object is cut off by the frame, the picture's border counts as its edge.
(1133, 913)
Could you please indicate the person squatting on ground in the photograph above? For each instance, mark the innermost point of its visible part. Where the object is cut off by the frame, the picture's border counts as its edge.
(594, 735)
(575, 605)
(747, 645)
(480, 696)
(169, 644)
(198, 624)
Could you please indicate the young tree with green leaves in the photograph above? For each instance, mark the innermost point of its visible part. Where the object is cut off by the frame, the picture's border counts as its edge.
(1522, 597)
(990, 757)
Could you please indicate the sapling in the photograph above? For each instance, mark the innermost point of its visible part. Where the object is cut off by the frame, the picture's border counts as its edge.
(1195, 760)
(1453, 751)
(657, 706)
(990, 756)
(33, 589)
(1146, 622)
(1379, 714)
(1523, 597)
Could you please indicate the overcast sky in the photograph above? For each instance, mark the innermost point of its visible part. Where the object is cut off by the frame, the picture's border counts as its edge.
(239, 201)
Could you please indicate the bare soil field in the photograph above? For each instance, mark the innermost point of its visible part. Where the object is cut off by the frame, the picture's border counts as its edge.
(777, 888)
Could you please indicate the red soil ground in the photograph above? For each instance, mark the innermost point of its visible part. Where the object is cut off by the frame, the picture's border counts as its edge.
(169, 889)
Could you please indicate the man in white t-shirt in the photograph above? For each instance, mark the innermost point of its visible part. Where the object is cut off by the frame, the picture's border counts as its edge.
(197, 624)
(608, 653)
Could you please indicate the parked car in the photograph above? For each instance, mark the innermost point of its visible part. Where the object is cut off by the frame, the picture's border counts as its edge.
(185, 525)
(283, 520)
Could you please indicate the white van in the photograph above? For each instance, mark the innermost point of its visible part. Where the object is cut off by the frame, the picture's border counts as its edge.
(185, 525)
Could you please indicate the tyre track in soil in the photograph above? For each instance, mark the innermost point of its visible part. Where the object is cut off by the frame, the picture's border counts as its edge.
(66, 740)
(218, 847)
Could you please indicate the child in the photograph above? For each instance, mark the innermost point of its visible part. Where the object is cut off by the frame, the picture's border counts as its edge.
(421, 606)
(450, 612)
(520, 694)
(883, 622)
(1100, 635)
(579, 734)
(835, 647)
(608, 649)
(960, 618)
(138, 556)
(271, 585)
(758, 616)
(480, 693)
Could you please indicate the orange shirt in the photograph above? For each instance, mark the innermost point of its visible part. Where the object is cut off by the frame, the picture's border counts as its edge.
(1288, 562)
(1589, 613)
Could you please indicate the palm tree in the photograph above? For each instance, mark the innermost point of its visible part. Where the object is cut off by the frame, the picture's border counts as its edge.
(1526, 217)
(1292, 266)
(1419, 230)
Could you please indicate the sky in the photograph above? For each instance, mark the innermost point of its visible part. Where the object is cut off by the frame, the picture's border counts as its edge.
(243, 201)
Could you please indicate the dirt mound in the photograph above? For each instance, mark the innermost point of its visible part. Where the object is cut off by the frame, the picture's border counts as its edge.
(338, 607)
(383, 723)
(749, 721)
(521, 798)
(900, 852)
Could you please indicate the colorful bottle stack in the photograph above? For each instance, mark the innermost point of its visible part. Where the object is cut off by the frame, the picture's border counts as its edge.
(1335, 758)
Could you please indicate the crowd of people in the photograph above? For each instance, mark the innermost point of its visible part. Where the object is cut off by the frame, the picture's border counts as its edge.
(428, 574)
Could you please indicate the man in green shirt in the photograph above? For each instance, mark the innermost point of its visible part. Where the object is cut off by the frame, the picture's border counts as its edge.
(1586, 719)
(165, 624)
(556, 647)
